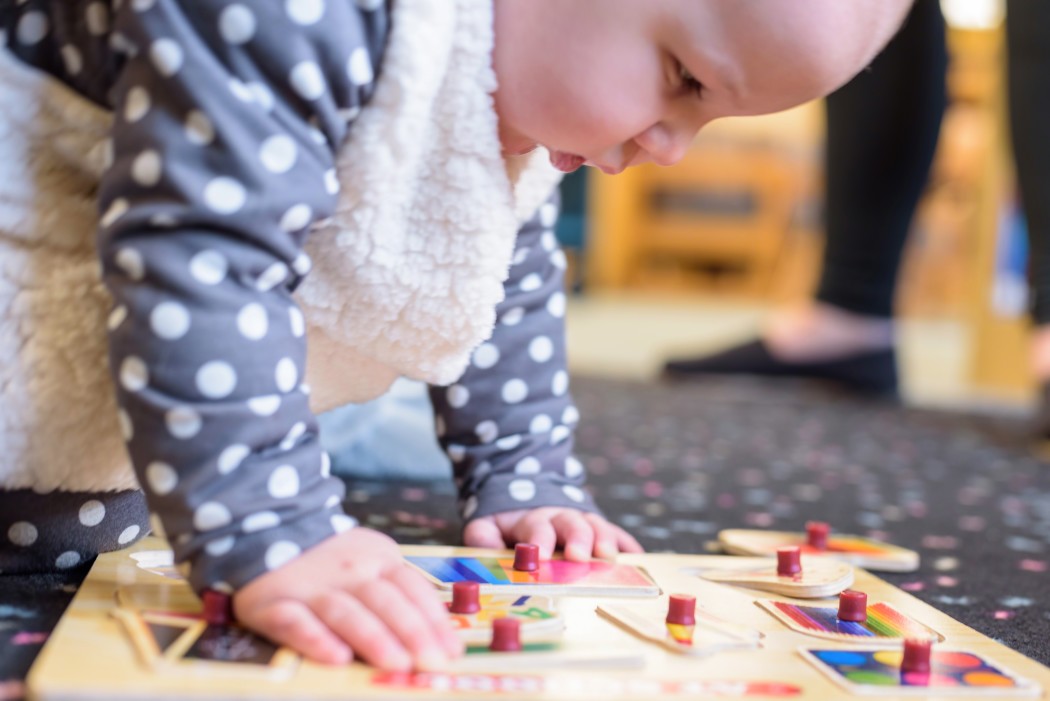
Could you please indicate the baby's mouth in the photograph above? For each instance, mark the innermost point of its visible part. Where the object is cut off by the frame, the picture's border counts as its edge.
(566, 162)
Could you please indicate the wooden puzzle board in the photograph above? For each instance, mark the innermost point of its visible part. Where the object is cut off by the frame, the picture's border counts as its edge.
(89, 657)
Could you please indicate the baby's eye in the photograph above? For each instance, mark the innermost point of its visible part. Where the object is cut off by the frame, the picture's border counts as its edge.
(688, 81)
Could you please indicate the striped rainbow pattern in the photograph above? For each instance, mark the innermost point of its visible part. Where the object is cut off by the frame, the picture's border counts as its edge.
(883, 621)
(500, 571)
(855, 544)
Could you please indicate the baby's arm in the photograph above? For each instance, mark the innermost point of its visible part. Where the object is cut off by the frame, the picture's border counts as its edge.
(226, 117)
(508, 423)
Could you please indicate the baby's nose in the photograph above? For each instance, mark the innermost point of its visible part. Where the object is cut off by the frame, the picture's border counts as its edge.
(667, 146)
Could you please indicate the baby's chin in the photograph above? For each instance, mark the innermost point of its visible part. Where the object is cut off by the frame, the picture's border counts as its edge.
(520, 150)
(514, 143)
(517, 145)
(565, 162)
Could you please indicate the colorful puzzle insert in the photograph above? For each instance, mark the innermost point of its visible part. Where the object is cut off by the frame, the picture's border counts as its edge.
(683, 635)
(883, 621)
(881, 668)
(529, 609)
(500, 571)
(494, 606)
(853, 545)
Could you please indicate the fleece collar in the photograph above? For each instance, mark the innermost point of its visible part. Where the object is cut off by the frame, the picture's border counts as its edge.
(410, 268)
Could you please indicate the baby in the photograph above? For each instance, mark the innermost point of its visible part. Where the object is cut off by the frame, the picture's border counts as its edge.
(418, 142)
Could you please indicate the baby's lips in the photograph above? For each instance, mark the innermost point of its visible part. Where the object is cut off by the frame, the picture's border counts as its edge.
(566, 162)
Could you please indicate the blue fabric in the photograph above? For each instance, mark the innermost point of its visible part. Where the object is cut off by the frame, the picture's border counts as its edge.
(389, 438)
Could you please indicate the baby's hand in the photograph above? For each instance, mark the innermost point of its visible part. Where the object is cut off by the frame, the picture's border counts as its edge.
(352, 595)
(583, 535)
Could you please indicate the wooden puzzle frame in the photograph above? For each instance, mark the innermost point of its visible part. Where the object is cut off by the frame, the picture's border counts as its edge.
(90, 658)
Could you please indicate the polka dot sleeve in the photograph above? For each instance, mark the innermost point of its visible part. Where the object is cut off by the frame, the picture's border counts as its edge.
(226, 116)
(507, 424)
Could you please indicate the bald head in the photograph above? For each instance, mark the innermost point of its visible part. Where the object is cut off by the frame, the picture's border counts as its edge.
(779, 54)
(620, 82)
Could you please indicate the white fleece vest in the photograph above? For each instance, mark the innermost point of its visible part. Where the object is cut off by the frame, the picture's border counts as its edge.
(407, 273)
(410, 268)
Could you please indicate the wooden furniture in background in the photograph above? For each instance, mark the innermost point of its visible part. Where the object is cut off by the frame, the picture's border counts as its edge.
(728, 207)
(1000, 337)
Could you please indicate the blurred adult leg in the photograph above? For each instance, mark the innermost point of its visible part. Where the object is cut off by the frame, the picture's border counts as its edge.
(882, 133)
(1028, 75)
(881, 136)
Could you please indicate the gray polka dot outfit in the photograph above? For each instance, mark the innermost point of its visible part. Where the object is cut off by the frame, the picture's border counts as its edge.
(227, 119)
(507, 425)
(59, 530)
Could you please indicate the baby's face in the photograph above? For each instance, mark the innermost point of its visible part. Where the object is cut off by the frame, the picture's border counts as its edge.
(615, 83)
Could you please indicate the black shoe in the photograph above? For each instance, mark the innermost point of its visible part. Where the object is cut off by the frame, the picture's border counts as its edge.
(868, 373)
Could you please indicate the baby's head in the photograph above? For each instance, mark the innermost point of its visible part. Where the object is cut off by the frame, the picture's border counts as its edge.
(611, 82)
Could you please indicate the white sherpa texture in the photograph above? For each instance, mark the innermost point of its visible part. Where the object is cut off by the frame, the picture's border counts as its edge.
(425, 233)
(407, 273)
(58, 415)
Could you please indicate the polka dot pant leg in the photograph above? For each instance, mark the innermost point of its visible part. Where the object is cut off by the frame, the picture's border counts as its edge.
(507, 424)
(60, 530)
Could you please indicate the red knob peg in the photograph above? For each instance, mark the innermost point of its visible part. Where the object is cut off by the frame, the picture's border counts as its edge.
(817, 535)
(506, 635)
(681, 609)
(465, 598)
(789, 561)
(853, 606)
(218, 607)
(917, 653)
(526, 557)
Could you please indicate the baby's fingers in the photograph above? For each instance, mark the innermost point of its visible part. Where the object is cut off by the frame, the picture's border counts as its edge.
(405, 619)
(353, 621)
(606, 539)
(292, 624)
(610, 539)
(627, 542)
(577, 534)
(483, 533)
(539, 531)
(419, 591)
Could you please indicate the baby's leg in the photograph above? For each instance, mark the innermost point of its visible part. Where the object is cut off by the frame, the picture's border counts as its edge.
(59, 530)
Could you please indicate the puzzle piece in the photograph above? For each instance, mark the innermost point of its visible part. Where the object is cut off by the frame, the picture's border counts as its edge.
(505, 648)
(172, 632)
(519, 631)
(883, 624)
(177, 644)
(555, 577)
(540, 619)
(952, 672)
(819, 578)
(706, 636)
(858, 551)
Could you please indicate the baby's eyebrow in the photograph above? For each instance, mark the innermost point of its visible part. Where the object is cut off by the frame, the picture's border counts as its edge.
(723, 74)
(710, 65)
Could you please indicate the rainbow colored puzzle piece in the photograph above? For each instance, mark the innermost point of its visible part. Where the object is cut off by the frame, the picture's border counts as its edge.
(540, 621)
(884, 623)
(592, 578)
(857, 550)
(494, 606)
(951, 672)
